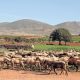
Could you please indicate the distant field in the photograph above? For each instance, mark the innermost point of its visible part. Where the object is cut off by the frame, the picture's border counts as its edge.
(76, 38)
(75, 44)
(55, 47)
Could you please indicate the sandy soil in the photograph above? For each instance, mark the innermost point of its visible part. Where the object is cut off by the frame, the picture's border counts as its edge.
(28, 75)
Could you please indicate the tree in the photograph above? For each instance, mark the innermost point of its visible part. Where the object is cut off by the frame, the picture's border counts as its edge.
(60, 34)
(19, 39)
(79, 34)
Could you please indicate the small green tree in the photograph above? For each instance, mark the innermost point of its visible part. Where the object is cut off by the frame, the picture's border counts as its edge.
(19, 39)
(60, 34)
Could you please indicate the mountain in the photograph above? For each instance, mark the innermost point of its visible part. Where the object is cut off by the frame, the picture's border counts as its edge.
(72, 26)
(32, 27)
(25, 27)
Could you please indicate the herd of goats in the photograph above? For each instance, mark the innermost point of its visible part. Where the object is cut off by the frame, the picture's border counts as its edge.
(58, 61)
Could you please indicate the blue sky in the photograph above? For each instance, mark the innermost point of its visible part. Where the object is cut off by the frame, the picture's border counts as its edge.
(49, 11)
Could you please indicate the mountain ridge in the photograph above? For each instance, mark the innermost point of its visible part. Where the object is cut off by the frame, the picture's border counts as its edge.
(72, 26)
(33, 27)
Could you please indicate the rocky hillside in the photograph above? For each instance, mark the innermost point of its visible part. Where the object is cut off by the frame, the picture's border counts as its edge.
(32, 27)
(73, 27)
(24, 27)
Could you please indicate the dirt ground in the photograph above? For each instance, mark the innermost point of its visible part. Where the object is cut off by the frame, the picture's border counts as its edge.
(28, 75)
(68, 43)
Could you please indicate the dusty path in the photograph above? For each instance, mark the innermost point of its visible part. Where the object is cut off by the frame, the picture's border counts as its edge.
(27, 75)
